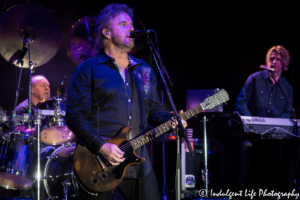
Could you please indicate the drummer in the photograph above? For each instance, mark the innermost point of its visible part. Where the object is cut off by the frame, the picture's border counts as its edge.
(40, 91)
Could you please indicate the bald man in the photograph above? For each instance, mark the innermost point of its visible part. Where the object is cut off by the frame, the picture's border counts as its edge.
(40, 90)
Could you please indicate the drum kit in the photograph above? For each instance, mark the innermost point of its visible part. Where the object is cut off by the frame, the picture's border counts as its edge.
(26, 159)
(30, 31)
(18, 156)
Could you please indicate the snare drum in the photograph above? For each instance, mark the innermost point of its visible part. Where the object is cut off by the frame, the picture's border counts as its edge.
(17, 160)
(59, 179)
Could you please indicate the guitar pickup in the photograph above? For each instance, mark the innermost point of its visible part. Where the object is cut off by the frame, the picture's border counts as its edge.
(100, 162)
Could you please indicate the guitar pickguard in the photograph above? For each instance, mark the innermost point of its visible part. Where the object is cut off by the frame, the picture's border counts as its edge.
(130, 159)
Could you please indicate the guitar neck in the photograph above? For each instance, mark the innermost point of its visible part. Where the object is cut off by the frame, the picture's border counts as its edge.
(165, 127)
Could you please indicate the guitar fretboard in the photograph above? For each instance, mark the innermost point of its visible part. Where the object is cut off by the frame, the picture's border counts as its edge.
(165, 127)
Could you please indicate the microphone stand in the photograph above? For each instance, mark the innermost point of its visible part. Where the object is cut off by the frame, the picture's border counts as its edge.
(293, 117)
(181, 131)
(164, 197)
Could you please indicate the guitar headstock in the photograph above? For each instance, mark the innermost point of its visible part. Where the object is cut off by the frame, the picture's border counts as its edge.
(220, 96)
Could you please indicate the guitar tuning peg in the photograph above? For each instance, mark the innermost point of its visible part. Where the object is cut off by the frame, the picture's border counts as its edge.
(217, 90)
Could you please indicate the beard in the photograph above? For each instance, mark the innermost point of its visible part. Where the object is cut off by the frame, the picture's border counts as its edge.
(125, 44)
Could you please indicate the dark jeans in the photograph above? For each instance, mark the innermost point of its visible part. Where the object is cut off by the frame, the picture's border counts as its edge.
(131, 189)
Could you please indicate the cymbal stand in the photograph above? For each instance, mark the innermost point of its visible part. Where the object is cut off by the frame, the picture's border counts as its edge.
(57, 113)
(37, 120)
(14, 112)
(31, 72)
(19, 63)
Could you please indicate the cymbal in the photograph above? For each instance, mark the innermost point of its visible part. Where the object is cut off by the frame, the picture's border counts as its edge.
(42, 26)
(81, 40)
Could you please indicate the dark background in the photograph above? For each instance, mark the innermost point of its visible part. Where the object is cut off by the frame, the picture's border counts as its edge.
(203, 44)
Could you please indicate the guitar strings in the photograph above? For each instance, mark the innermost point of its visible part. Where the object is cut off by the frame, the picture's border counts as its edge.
(162, 126)
(168, 123)
(128, 145)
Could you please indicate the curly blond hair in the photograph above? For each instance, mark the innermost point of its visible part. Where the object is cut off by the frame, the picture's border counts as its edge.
(285, 56)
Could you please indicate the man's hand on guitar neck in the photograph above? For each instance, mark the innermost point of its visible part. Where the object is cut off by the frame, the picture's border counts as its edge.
(112, 153)
(184, 123)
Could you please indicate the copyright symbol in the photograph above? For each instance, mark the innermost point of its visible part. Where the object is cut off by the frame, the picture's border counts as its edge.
(202, 193)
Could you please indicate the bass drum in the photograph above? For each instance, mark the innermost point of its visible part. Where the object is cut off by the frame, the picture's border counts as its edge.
(59, 180)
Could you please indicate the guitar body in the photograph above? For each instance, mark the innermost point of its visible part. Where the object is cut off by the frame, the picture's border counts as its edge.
(95, 173)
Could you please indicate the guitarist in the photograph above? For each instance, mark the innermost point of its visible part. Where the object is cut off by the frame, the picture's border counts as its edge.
(112, 90)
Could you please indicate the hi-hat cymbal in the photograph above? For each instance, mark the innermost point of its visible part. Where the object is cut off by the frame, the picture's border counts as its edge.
(42, 26)
(81, 40)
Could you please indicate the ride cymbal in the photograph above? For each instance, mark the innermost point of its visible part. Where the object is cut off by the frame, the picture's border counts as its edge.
(81, 40)
(33, 20)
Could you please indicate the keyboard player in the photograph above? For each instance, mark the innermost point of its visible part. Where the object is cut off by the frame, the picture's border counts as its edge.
(263, 96)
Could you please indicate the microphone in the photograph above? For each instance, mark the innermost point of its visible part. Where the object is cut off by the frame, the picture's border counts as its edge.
(267, 68)
(138, 33)
(18, 55)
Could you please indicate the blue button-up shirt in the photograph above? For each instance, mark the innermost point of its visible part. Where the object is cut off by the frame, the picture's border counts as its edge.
(260, 98)
(102, 100)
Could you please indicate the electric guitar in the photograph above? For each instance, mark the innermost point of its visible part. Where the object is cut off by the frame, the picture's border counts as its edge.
(96, 175)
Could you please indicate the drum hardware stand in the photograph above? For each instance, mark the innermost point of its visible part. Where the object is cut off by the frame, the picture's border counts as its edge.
(38, 123)
(205, 170)
(28, 38)
(66, 185)
(29, 35)
(20, 62)
(39, 114)
(55, 197)
(58, 113)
